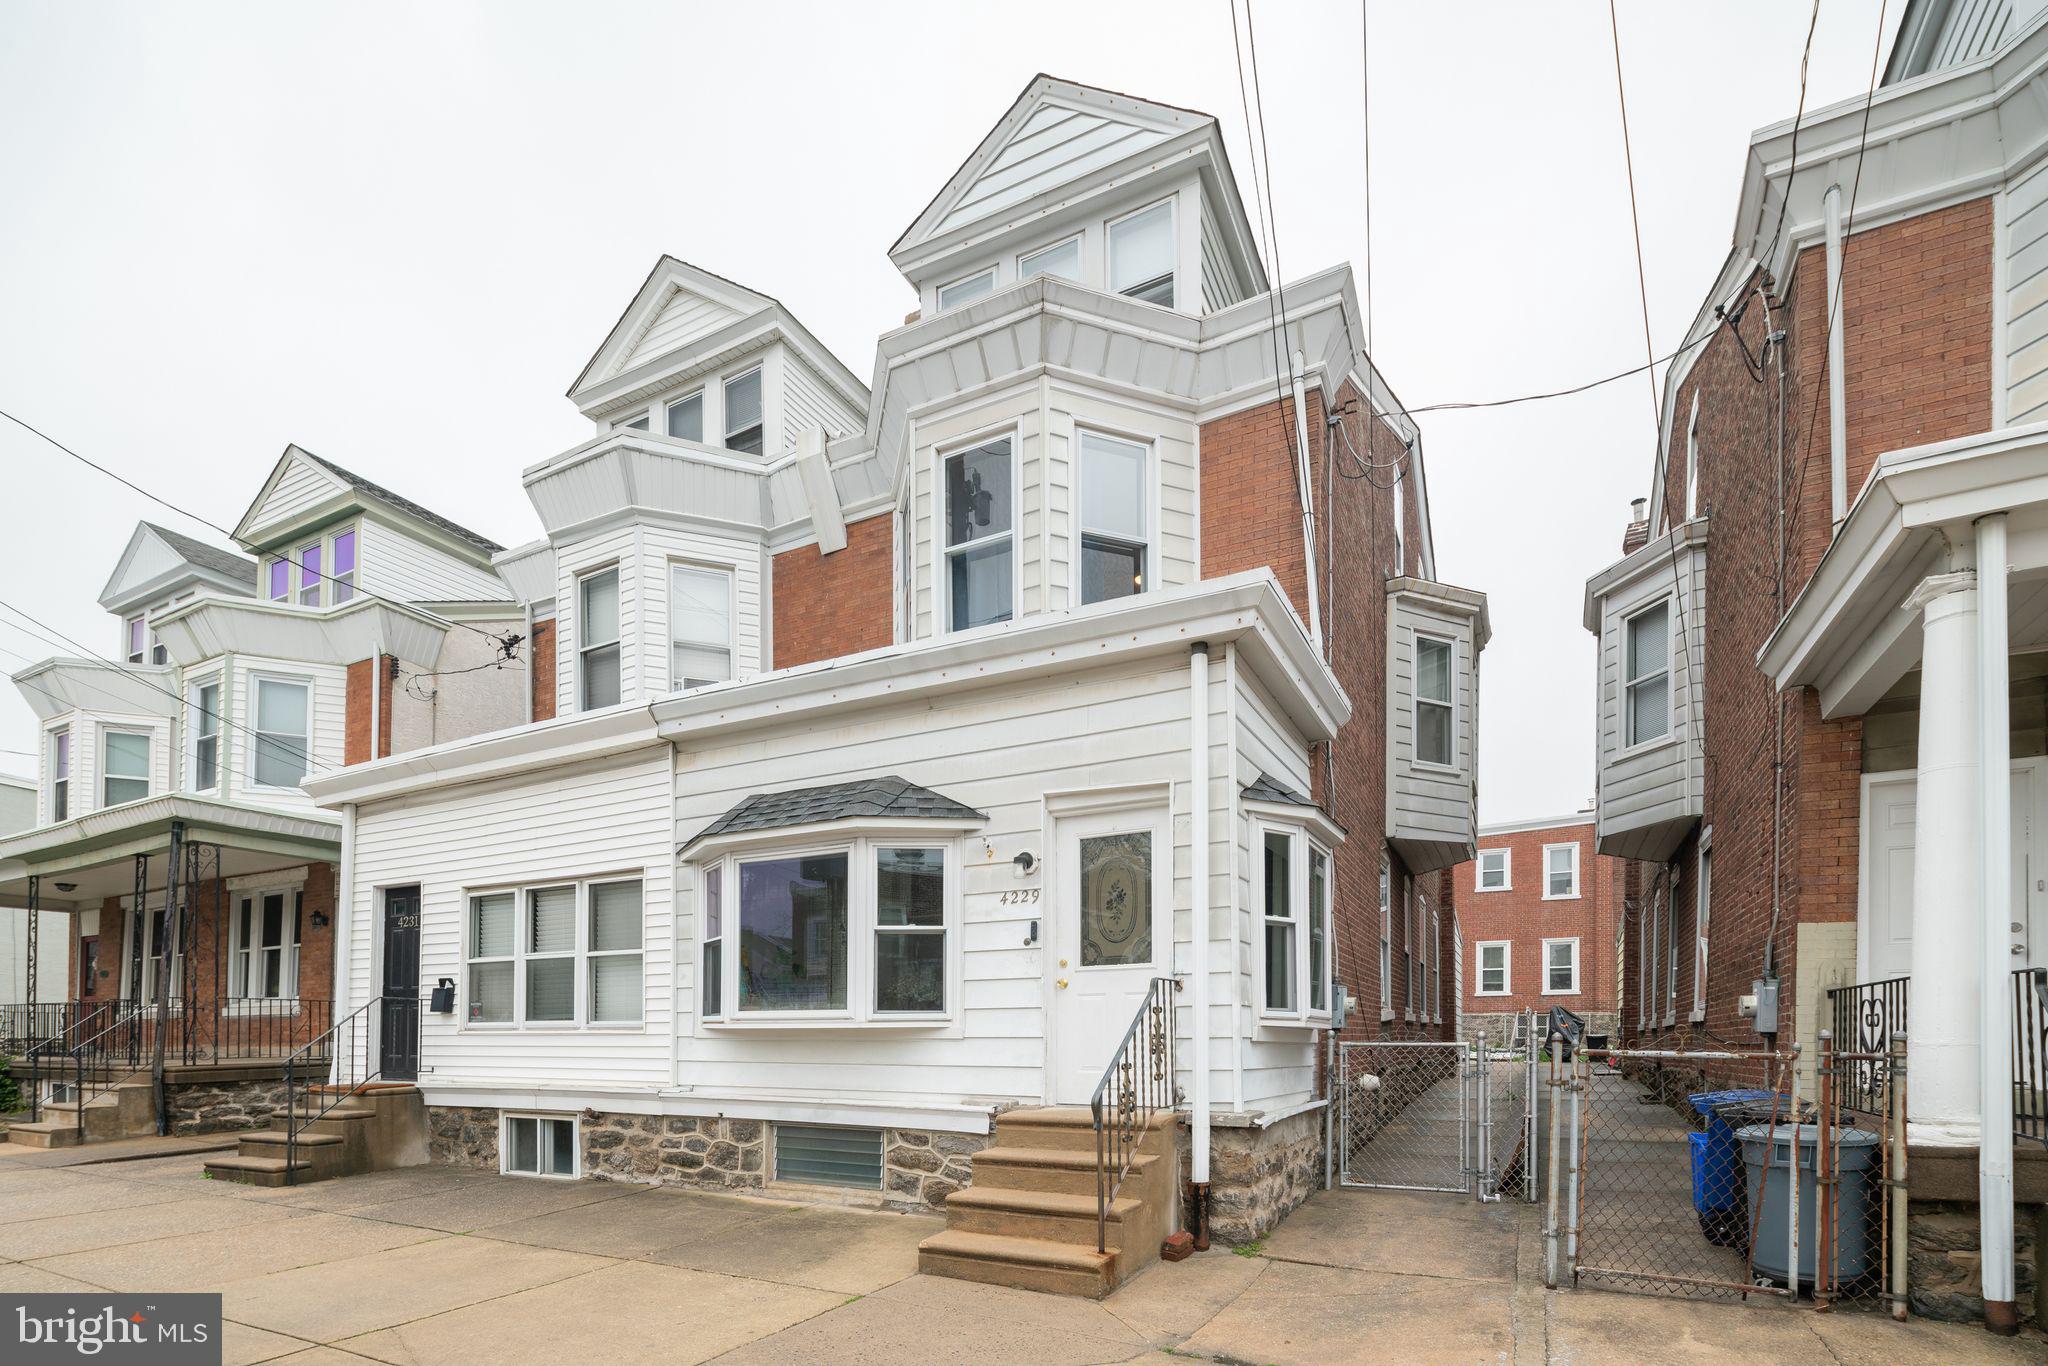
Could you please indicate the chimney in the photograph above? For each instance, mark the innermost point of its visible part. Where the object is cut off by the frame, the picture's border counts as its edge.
(1638, 533)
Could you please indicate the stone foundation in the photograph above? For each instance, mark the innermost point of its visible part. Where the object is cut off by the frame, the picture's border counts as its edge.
(1258, 1176)
(1944, 1260)
(462, 1137)
(223, 1107)
(920, 1169)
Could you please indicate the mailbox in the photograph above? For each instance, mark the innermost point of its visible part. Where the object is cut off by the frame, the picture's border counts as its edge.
(442, 1000)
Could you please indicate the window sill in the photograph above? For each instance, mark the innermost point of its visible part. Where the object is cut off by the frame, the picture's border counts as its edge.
(1573, 992)
(1427, 766)
(842, 1024)
(1663, 741)
(1564, 896)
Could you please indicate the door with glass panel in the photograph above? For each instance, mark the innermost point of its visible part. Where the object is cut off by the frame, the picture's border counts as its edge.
(1112, 935)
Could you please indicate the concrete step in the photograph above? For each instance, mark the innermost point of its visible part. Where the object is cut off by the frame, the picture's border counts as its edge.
(1050, 1216)
(1066, 1126)
(1024, 1263)
(263, 1139)
(44, 1133)
(256, 1171)
(1069, 1171)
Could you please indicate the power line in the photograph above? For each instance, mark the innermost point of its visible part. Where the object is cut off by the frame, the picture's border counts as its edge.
(1785, 202)
(1653, 363)
(507, 642)
(1365, 114)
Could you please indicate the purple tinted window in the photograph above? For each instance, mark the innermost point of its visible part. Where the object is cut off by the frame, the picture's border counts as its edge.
(344, 566)
(309, 575)
(280, 580)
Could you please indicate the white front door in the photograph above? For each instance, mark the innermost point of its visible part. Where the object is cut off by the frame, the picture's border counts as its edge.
(1111, 937)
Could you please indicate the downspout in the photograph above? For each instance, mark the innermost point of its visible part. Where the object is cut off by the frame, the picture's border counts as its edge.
(1994, 768)
(376, 696)
(1838, 417)
(1198, 883)
(1306, 486)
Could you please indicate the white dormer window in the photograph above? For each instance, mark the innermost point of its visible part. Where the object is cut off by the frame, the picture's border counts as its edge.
(686, 418)
(344, 566)
(1115, 503)
(280, 580)
(133, 640)
(60, 775)
(638, 424)
(1647, 704)
(743, 412)
(1433, 709)
(598, 643)
(1062, 259)
(310, 582)
(205, 737)
(700, 625)
(979, 549)
(1141, 255)
(968, 290)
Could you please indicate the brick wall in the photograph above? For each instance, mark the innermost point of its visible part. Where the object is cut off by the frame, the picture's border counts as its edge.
(837, 604)
(356, 726)
(1520, 916)
(542, 651)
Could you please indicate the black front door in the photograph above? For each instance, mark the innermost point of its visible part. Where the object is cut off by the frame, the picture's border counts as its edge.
(399, 1051)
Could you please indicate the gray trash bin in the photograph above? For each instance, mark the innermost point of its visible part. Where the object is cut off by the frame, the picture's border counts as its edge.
(1859, 1157)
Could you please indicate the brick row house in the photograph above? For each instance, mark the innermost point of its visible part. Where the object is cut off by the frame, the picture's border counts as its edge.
(1540, 911)
(1820, 654)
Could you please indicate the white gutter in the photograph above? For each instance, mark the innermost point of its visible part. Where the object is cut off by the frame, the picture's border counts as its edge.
(1198, 881)
(1308, 507)
(1838, 415)
(1994, 766)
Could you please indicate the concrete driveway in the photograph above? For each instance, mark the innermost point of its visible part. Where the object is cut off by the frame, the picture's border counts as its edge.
(436, 1266)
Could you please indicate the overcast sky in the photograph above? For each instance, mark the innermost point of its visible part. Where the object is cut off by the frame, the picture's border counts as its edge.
(394, 234)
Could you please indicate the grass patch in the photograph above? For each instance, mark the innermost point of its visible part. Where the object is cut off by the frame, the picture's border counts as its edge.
(1255, 1248)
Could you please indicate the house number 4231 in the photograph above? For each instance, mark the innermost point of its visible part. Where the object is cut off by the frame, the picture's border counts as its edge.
(1020, 896)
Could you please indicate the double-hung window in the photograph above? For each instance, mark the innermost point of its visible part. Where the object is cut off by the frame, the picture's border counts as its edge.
(60, 775)
(1115, 507)
(1280, 923)
(712, 982)
(743, 412)
(615, 971)
(136, 640)
(1296, 938)
(205, 737)
(597, 630)
(548, 947)
(1646, 703)
(1560, 872)
(284, 712)
(980, 549)
(265, 961)
(686, 417)
(1703, 906)
(699, 625)
(1062, 259)
(1141, 255)
(557, 954)
(1494, 867)
(280, 580)
(1386, 935)
(310, 580)
(966, 291)
(344, 566)
(1560, 967)
(1494, 963)
(910, 931)
(124, 759)
(1418, 915)
(1433, 711)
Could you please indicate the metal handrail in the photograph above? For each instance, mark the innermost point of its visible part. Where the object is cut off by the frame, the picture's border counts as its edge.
(1143, 1078)
(2030, 1054)
(1865, 1017)
(129, 1020)
(335, 1054)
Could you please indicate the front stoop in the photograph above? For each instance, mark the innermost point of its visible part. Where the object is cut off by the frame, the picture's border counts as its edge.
(371, 1128)
(1027, 1219)
(125, 1110)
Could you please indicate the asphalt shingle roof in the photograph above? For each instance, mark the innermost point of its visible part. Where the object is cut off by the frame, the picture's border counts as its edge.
(239, 567)
(404, 504)
(890, 798)
(1264, 789)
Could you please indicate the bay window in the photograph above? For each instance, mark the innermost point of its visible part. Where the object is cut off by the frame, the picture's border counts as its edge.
(1294, 898)
(1115, 514)
(280, 580)
(124, 761)
(284, 715)
(1318, 930)
(713, 979)
(910, 931)
(60, 775)
(699, 626)
(344, 566)
(205, 737)
(310, 581)
(134, 639)
(793, 933)
(979, 546)
(1062, 259)
(557, 954)
(1278, 902)
(1646, 706)
(1141, 255)
(965, 291)
(743, 429)
(1433, 708)
(597, 643)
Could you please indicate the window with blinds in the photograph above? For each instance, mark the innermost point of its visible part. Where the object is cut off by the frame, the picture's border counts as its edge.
(556, 954)
(833, 1157)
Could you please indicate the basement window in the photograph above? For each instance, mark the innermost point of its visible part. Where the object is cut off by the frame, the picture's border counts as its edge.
(829, 1157)
(539, 1145)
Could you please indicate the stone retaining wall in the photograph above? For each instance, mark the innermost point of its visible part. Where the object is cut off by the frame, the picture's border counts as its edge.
(1944, 1260)
(462, 1137)
(920, 1169)
(1258, 1176)
(223, 1107)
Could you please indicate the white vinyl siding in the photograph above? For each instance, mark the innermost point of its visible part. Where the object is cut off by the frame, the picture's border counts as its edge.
(397, 565)
(300, 487)
(1432, 806)
(1056, 144)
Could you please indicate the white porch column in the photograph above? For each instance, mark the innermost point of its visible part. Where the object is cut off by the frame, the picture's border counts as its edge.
(1995, 940)
(1943, 1103)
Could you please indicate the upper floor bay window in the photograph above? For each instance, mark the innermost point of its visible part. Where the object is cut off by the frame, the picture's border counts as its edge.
(685, 417)
(1493, 870)
(124, 761)
(1295, 907)
(284, 730)
(60, 775)
(743, 412)
(1560, 872)
(1646, 703)
(1277, 901)
(1062, 259)
(558, 954)
(1319, 930)
(205, 724)
(1141, 255)
(264, 961)
(597, 644)
(280, 580)
(699, 625)
(1433, 710)
(322, 572)
(966, 291)
(1115, 516)
(980, 549)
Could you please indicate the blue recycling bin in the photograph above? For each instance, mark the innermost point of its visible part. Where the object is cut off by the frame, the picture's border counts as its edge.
(1717, 1169)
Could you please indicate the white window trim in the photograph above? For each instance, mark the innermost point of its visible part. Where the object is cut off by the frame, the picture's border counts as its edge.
(1109, 227)
(1386, 937)
(1300, 843)
(1075, 240)
(583, 644)
(1152, 509)
(942, 581)
(939, 293)
(1548, 990)
(289, 948)
(1416, 702)
(1507, 870)
(725, 427)
(293, 559)
(193, 711)
(580, 955)
(1671, 948)
(505, 1119)
(703, 412)
(69, 778)
(1629, 744)
(1703, 909)
(1573, 894)
(1507, 967)
(149, 786)
(859, 845)
(256, 679)
(732, 612)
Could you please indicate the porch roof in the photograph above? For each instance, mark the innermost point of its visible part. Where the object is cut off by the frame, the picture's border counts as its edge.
(96, 849)
(1850, 633)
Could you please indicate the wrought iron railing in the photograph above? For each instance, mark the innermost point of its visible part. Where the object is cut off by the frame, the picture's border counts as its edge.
(1137, 1085)
(24, 1025)
(349, 1056)
(1866, 1016)
(2030, 1054)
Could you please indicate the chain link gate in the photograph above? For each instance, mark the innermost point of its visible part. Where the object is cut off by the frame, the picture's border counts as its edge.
(1432, 1115)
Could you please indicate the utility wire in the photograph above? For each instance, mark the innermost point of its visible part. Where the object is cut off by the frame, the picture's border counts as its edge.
(1365, 114)
(1792, 170)
(508, 643)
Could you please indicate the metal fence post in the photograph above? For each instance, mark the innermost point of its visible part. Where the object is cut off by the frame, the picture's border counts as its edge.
(1899, 1190)
(1581, 1079)
(1792, 1192)
(1550, 1231)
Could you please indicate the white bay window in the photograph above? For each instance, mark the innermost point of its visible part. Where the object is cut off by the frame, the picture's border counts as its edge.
(1294, 896)
(699, 626)
(1141, 255)
(980, 552)
(1116, 502)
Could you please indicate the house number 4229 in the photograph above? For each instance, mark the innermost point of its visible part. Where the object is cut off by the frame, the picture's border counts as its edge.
(1020, 896)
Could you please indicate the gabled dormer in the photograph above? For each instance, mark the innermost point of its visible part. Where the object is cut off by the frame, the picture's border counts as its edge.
(1121, 195)
(159, 569)
(324, 536)
(698, 358)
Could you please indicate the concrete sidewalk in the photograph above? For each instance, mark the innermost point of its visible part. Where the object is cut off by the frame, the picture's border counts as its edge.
(436, 1265)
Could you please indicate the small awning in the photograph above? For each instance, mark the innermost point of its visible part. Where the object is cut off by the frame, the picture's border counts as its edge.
(1265, 791)
(869, 800)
